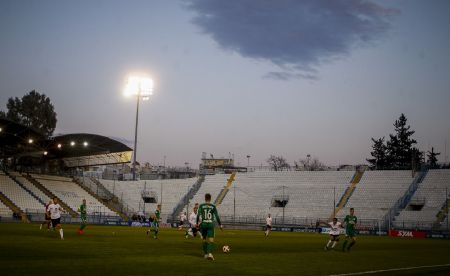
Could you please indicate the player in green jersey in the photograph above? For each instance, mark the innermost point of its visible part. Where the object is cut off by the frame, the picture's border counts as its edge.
(83, 216)
(350, 232)
(206, 215)
(154, 222)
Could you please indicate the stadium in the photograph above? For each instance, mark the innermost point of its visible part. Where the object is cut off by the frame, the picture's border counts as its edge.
(390, 204)
(80, 195)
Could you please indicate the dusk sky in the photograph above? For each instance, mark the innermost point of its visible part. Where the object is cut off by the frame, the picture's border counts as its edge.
(257, 77)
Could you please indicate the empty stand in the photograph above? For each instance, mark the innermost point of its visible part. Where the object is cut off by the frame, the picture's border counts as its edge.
(377, 192)
(431, 194)
(72, 194)
(130, 192)
(311, 194)
(5, 212)
(20, 197)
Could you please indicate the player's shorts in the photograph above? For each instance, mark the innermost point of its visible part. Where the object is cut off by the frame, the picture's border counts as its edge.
(194, 231)
(350, 233)
(334, 237)
(47, 217)
(207, 231)
(83, 218)
(56, 222)
(155, 224)
(268, 226)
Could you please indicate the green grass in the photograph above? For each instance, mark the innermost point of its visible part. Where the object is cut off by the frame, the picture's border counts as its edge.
(25, 250)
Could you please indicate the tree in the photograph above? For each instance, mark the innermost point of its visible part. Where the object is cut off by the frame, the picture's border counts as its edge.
(34, 110)
(400, 145)
(417, 159)
(380, 160)
(316, 165)
(432, 158)
(311, 164)
(278, 163)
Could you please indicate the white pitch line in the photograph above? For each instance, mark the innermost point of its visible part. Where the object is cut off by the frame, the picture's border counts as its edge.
(392, 269)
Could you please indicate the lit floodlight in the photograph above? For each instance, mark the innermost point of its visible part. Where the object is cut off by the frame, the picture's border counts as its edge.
(139, 86)
(45, 153)
(30, 141)
(0, 129)
(59, 146)
(85, 144)
(72, 143)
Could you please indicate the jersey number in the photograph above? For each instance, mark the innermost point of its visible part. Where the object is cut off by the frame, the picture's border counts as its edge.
(208, 215)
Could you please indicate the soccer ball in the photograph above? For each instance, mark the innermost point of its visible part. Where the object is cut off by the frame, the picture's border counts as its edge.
(226, 249)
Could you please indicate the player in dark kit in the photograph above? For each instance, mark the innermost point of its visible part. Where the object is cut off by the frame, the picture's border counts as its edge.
(350, 232)
(48, 220)
(154, 222)
(83, 216)
(207, 214)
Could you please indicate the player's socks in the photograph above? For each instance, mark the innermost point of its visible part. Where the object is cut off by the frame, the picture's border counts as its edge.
(350, 245)
(329, 243)
(212, 247)
(61, 233)
(40, 227)
(334, 244)
(82, 227)
(205, 247)
(344, 246)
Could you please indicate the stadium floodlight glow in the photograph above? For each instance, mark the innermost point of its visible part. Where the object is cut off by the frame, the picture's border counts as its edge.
(30, 141)
(45, 153)
(72, 143)
(1, 129)
(140, 87)
(59, 146)
(85, 144)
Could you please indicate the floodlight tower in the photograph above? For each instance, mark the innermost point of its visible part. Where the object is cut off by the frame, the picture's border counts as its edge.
(140, 87)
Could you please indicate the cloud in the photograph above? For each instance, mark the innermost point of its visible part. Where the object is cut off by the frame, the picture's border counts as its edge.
(295, 35)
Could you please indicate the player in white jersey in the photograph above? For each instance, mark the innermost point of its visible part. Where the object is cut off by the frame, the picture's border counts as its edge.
(268, 225)
(183, 218)
(335, 231)
(192, 231)
(55, 214)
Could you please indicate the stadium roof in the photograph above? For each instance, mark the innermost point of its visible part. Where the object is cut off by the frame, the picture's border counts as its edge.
(83, 149)
(82, 144)
(78, 149)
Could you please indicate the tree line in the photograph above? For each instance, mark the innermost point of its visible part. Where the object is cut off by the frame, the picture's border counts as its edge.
(399, 152)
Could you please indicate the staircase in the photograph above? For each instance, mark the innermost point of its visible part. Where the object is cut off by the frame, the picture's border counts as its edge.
(348, 193)
(190, 195)
(406, 198)
(224, 191)
(440, 217)
(50, 195)
(105, 197)
(8, 202)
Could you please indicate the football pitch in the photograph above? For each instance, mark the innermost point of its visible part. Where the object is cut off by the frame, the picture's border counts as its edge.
(106, 250)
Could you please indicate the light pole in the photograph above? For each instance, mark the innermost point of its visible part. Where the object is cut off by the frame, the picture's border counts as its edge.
(141, 87)
(248, 161)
